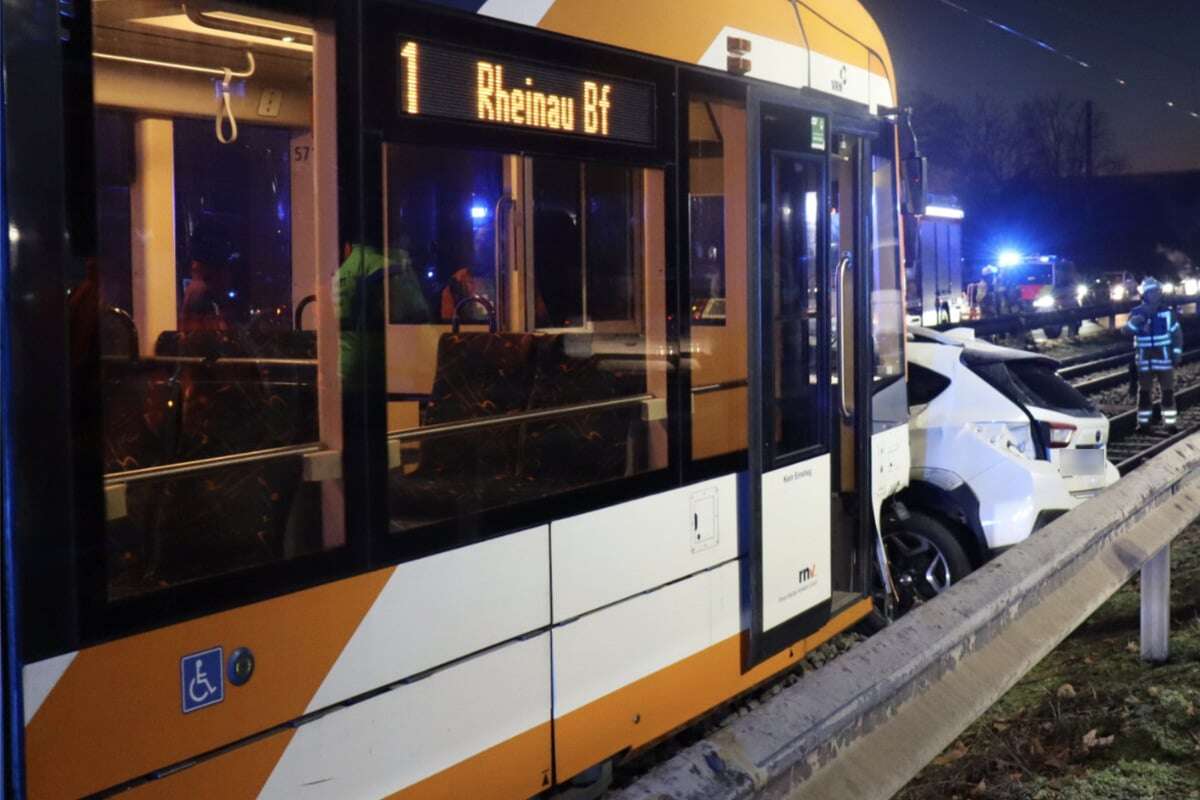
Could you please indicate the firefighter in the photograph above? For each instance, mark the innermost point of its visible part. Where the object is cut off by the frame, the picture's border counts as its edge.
(1158, 348)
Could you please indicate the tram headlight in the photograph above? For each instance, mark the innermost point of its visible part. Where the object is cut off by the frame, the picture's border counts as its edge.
(1044, 303)
(1081, 293)
(1168, 288)
(1191, 286)
(1117, 293)
(1014, 437)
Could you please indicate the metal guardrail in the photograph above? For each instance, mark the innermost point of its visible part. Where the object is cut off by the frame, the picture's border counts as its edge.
(1032, 320)
(865, 724)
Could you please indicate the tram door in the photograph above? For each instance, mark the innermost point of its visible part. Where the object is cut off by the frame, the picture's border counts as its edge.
(845, 269)
(790, 480)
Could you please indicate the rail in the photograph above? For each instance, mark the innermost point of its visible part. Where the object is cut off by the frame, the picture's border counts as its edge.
(1087, 365)
(215, 360)
(864, 726)
(449, 428)
(183, 468)
(1110, 372)
(723, 386)
(1129, 450)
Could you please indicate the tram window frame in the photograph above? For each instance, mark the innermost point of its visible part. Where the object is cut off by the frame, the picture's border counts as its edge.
(763, 135)
(880, 148)
(99, 618)
(385, 25)
(695, 83)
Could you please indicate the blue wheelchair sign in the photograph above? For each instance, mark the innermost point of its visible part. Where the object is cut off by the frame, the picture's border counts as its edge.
(202, 679)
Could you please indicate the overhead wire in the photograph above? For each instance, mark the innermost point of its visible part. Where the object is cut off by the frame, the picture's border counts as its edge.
(1171, 103)
(1129, 36)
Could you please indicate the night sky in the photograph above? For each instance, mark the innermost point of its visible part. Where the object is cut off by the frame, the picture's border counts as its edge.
(1155, 50)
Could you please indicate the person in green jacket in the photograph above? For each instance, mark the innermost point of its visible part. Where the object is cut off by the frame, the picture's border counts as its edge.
(360, 285)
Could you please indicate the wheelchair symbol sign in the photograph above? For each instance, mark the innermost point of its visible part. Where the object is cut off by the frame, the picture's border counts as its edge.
(202, 679)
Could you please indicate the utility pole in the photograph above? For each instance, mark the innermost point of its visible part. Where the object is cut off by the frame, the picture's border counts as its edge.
(1088, 136)
(1089, 156)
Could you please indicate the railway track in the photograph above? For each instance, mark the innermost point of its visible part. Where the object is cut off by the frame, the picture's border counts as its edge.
(1129, 449)
(1101, 378)
(1075, 367)
(1105, 373)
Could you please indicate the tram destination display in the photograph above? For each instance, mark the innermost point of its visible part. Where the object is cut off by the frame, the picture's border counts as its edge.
(455, 83)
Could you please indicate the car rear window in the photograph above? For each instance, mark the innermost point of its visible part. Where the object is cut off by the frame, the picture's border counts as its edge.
(924, 385)
(1033, 383)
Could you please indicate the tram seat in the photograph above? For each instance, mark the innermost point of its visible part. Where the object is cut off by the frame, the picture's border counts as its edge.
(480, 375)
(583, 446)
(160, 411)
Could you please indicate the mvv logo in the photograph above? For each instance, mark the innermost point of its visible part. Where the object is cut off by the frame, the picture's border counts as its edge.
(808, 574)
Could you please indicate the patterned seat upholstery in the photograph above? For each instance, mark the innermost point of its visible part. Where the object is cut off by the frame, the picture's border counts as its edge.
(478, 375)
(584, 447)
(489, 374)
(162, 412)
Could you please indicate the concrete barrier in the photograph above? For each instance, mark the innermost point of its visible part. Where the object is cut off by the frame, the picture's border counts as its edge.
(866, 723)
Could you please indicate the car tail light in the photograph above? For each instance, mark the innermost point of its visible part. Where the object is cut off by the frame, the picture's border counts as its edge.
(1059, 434)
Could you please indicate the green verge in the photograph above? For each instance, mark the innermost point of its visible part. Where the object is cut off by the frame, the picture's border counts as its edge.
(1091, 721)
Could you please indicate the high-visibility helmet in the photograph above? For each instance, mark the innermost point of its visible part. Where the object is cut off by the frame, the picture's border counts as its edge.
(1149, 285)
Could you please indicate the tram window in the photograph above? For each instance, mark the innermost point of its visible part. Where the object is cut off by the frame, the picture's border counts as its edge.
(232, 231)
(793, 303)
(557, 378)
(887, 308)
(557, 244)
(717, 267)
(441, 234)
(114, 165)
(610, 251)
(584, 268)
(205, 248)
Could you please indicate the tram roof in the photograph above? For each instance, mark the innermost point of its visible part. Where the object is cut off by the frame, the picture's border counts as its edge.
(850, 58)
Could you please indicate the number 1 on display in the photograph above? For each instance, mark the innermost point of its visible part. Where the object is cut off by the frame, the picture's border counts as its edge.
(411, 94)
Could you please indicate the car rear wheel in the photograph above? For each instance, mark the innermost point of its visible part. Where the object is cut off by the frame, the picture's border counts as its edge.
(926, 559)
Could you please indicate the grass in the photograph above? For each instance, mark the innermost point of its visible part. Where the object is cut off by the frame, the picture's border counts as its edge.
(1091, 721)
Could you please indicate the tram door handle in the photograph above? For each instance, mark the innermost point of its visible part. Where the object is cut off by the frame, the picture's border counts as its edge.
(845, 321)
(500, 239)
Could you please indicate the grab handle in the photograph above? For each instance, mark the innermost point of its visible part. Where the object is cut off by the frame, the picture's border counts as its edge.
(845, 343)
(483, 301)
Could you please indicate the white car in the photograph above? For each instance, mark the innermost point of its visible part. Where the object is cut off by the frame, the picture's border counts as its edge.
(1000, 447)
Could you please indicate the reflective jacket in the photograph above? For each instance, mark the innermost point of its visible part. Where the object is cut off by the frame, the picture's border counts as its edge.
(1157, 338)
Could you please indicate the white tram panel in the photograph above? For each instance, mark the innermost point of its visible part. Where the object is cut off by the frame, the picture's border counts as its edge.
(789, 64)
(443, 607)
(890, 459)
(39, 679)
(602, 652)
(391, 741)
(796, 537)
(607, 555)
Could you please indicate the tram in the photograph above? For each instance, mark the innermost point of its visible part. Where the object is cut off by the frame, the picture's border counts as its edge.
(433, 399)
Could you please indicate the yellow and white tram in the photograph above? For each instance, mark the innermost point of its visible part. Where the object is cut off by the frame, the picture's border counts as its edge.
(433, 399)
